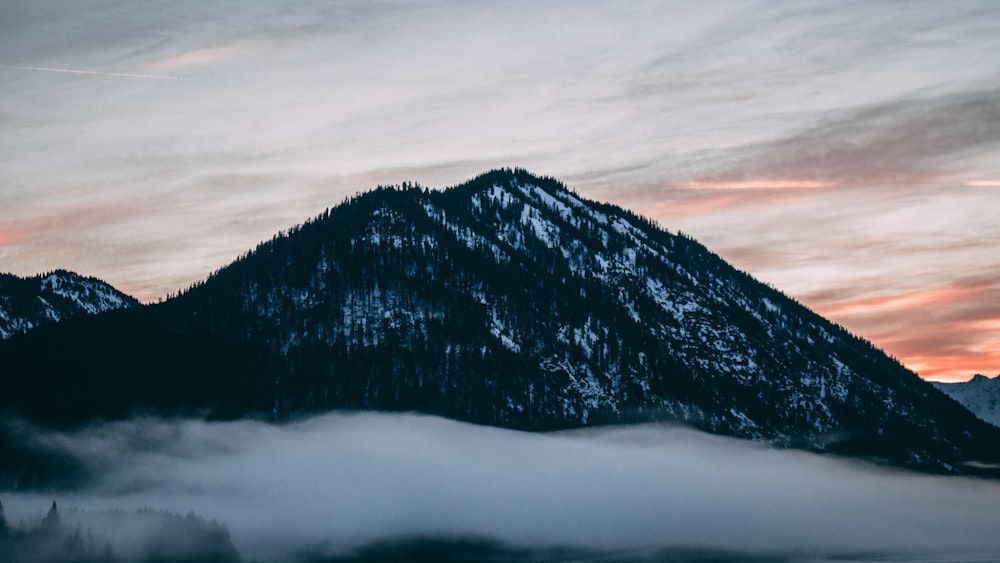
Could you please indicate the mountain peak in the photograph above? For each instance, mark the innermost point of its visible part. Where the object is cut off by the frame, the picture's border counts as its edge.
(511, 178)
(26, 303)
(506, 176)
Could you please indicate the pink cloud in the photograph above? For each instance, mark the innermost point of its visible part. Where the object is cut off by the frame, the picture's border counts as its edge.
(7, 238)
(196, 57)
(774, 184)
(705, 197)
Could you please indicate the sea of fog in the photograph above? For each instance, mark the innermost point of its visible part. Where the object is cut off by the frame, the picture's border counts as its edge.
(334, 484)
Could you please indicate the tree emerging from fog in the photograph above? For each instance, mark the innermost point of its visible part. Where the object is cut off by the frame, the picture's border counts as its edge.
(156, 537)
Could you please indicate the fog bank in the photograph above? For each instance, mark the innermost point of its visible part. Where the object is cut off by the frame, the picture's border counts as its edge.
(336, 483)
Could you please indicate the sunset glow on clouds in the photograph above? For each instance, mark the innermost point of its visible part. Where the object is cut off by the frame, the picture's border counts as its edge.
(954, 327)
(754, 185)
(846, 156)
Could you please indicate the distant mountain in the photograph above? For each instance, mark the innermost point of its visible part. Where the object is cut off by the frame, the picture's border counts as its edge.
(981, 395)
(510, 301)
(26, 303)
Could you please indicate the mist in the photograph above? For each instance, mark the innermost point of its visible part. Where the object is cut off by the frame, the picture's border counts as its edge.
(332, 485)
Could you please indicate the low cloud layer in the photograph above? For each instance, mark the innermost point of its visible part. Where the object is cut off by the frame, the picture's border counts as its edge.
(333, 484)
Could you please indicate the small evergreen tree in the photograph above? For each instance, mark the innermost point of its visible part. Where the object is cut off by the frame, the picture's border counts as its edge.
(51, 521)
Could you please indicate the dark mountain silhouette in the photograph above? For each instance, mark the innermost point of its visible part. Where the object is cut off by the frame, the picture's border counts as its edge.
(510, 301)
(26, 303)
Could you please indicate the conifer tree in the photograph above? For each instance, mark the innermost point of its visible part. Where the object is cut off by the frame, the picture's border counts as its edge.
(51, 521)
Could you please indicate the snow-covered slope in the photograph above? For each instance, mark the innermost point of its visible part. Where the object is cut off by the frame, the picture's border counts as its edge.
(26, 303)
(981, 395)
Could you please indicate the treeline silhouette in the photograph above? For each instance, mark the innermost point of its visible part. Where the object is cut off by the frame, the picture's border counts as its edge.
(164, 538)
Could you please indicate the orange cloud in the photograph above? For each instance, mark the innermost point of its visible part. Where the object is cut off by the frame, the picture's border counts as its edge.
(945, 334)
(983, 183)
(887, 304)
(961, 367)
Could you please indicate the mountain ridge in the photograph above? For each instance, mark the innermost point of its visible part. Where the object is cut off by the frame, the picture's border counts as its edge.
(29, 302)
(511, 301)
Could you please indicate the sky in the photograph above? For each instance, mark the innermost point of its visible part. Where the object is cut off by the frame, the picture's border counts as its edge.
(333, 484)
(846, 153)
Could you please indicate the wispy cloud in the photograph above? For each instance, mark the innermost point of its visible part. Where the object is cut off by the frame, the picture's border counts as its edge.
(95, 72)
(197, 57)
(753, 185)
(903, 143)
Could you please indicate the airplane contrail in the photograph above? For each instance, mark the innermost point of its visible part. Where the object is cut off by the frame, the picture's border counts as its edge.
(94, 72)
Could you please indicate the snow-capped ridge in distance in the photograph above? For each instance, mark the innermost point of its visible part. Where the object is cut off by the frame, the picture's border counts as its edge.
(981, 395)
(27, 303)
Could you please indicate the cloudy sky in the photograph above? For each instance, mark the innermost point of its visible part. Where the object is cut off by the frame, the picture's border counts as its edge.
(847, 153)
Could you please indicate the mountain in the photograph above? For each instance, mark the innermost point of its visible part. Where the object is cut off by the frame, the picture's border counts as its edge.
(981, 395)
(508, 300)
(26, 303)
